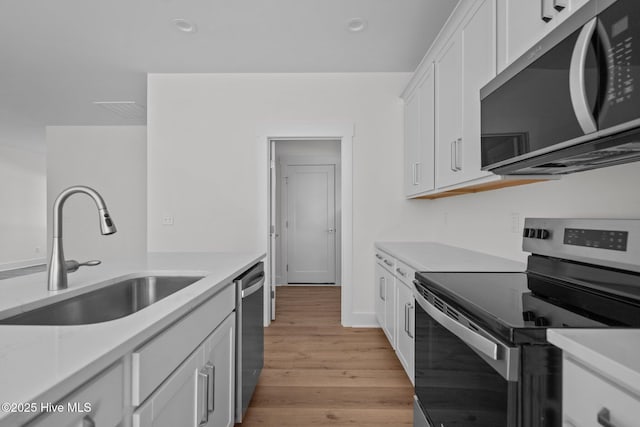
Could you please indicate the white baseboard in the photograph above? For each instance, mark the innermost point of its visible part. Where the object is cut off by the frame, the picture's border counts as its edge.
(363, 320)
(23, 263)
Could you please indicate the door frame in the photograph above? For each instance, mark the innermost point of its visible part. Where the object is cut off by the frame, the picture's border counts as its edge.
(344, 132)
(287, 161)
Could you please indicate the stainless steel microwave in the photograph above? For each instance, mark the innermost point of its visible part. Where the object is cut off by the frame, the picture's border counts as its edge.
(572, 102)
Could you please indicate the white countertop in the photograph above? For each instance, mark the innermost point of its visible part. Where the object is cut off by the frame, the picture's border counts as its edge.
(44, 363)
(614, 353)
(431, 256)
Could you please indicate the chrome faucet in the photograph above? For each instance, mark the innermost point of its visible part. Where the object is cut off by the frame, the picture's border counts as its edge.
(57, 278)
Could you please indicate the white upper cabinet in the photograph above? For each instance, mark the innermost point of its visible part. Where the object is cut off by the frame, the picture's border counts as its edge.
(419, 136)
(522, 23)
(465, 64)
(448, 113)
(478, 68)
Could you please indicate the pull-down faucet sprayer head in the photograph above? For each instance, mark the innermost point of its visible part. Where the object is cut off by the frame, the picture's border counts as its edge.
(107, 226)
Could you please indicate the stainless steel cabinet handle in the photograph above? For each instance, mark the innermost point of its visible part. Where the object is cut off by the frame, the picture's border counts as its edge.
(546, 12)
(88, 421)
(389, 263)
(458, 154)
(406, 318)
(382, 289)
(577, 88)
(452, 148)
(401, 272)
(203, 391)
(604, 418)
(411, 307)
(416, 171)
(414, 176)
(211, 382)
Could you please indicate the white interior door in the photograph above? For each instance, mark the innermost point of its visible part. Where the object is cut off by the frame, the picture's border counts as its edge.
(311, 224)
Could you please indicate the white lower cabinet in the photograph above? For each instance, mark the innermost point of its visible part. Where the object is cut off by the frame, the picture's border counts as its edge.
(405, 327)
(395, 307)
(200, 391)
(591, 399)
(99, 402)
(390, 307)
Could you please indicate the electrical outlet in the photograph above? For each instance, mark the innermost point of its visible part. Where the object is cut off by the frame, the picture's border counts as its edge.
(167, 220)
(515, 222)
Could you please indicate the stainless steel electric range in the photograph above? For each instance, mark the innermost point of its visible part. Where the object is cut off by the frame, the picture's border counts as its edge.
(481, 354)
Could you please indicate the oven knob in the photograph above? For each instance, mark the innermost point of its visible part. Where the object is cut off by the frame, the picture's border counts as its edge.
(525, 232)
(528, 316)
(541, 233)
(541, 321)
(532, 233)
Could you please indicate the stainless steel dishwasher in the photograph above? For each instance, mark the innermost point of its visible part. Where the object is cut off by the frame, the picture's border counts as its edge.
(249, 335)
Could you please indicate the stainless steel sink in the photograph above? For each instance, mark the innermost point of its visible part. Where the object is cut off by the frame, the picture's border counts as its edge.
(109, 303)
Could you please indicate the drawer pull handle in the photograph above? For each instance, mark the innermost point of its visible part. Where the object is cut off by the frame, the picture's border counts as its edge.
(401, 272)
(211, 381)
(88, 421)
(604, 418)
(203, 396)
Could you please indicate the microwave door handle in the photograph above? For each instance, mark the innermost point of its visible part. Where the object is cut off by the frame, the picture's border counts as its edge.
(577, 86)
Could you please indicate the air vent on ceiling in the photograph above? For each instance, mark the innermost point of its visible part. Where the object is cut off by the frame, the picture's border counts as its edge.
(124, 109)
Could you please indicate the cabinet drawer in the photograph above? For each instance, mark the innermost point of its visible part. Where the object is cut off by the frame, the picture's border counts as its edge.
(103, 397)
(405, 273)
(387, 261)
(154, 361)
(586, 394)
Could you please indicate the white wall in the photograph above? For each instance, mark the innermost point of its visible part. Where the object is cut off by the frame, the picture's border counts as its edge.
(112, 160)
(203, 156)
(23, 198)
(482, 221)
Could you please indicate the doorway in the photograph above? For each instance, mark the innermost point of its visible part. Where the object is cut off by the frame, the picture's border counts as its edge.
(307, 205)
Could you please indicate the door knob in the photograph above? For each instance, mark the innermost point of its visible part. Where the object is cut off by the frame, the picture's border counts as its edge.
(331, 230)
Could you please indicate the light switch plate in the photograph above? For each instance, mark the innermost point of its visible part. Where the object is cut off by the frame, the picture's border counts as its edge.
(167, 220)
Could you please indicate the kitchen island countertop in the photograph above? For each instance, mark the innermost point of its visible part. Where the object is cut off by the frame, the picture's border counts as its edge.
(44, 363)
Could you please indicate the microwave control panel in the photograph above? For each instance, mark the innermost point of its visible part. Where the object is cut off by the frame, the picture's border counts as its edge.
(619, 59)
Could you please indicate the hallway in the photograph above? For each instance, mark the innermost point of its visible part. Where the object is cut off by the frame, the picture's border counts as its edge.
(318, 373)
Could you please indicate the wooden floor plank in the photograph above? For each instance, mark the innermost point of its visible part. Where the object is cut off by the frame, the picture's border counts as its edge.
(318, 373)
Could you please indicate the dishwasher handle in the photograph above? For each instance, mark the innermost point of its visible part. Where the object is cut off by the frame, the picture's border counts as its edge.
(253, 286)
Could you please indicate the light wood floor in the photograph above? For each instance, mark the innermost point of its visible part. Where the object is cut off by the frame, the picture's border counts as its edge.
(318, 373)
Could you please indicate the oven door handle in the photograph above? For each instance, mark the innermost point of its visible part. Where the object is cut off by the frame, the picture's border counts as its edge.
(473, 339)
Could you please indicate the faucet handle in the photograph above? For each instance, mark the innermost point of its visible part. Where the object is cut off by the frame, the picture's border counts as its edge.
(73, 265)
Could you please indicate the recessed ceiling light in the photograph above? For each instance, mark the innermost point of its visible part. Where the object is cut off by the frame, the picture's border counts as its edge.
(356, 25)
(185, 25)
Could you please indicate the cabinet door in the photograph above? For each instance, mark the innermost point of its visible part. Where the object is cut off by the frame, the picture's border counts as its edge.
(411, 143)
(424, 170)
(97, 403)
(390, 307)
(220, 370)
(405, 327)
(174, 403)
(522, 24)
(380, 292)
(448, 111)
(479, 67)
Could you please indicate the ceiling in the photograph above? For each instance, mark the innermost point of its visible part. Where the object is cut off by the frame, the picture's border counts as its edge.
(57, 57)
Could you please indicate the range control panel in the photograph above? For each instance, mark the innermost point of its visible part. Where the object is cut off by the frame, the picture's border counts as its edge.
(613, 243)
(603, 239)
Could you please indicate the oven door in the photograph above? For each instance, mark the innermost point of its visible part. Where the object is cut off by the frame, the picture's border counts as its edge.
(463, 377)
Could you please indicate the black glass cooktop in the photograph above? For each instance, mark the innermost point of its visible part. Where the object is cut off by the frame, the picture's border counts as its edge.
(504, 304)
